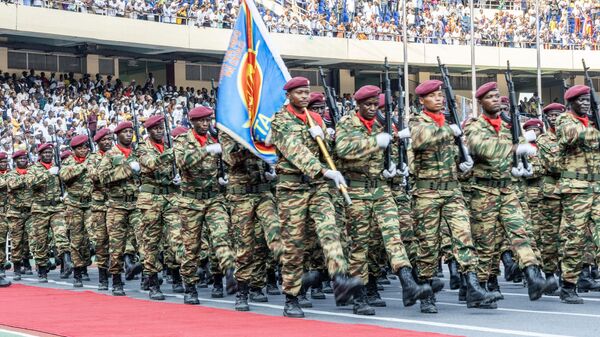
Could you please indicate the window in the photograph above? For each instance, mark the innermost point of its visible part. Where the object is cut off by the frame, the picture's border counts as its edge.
(41, 62)
(71, 64)
(17, 60)
(210, 73)
(106, 66)
(310, 74)
(192, 72)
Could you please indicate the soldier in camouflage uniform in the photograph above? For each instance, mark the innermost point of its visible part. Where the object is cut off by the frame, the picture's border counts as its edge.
(78, 185)
(579, 186)
(201, 203)
(496, 210)
(118, 171)
(305, 203)
(533, 182)
(3, 221)
(156, 202)
(103, 139)
(253, 217)
(47, 211)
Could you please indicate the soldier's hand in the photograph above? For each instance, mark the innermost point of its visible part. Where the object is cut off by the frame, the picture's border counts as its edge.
(271, 174)
(391, 172)
(456, 129)
(530, 136)
(135, 166)
(517, 172)
(54, 170)
(403, 171)
(331, 132)
(404, 133)
(466, 166)
(528, 171)
(316, 131)
(177, 180)
(336, 176)
(383, 140)
(223, 181)
(214, 149)
(526, 149)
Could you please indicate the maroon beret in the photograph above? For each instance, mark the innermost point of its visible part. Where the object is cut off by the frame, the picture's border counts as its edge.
(78, 140)
(575, 91)
(153, 121)
(3, 155)
(18, 154)
(504, 100)
(296, 82)
(65, 154)
(122, 126)
(381, 101)
(101, 134)
(533, 123)
(428, 87)
(200, 112)
(44, 146)
(366, 91)
(484, 89)
(178, 131)
(316, 97)
(554, 106)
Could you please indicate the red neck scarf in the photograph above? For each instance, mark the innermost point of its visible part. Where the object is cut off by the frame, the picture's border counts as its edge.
(200, 138)
(3, 172)
(79, 159)
(21, 171)
(101, 152)
(46, 165)
(438, 118)
(495, 123)
(125, 150)
(159, 146)
(367, 123)
(584, 120)
(302, 116)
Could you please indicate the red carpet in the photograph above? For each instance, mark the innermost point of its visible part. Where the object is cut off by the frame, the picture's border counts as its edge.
(70, 313)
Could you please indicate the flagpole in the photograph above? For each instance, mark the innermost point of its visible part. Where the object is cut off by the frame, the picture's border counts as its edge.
(538, 51)
(405, 50)
(473, 69)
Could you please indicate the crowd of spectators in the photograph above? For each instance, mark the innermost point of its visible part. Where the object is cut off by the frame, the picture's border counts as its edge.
(564, 24)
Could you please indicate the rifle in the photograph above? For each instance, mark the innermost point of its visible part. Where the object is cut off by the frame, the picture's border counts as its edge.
(453, 116)
(514, 117)
(169, 139)
(388, 115)
(136, 127)
(595, 114)
(330, 99)
(57, 161)
(215, 94)
(89, 134)
(402, 146)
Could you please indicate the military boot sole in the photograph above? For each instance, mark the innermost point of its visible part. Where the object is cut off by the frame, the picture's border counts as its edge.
(42, 280)
(217, 294)
(429, 310)
(157, 297)
(368, 311)
(259, 299)
(317, 295)
(242, 307)
(409, 298)
(377, 302)
(571, 301)
(293, 315)
(103, 287)
(118, 293)
(305, 304)
(78, 285)
(85, 277)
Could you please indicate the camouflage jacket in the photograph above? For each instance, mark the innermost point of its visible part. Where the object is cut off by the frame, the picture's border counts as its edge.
(579, 153)
(548, 155)
(78, 184)
(19, 196)
(156, 167)
(3, 192)
(245, 169)
(118, 178)
(99, 197)
(45, 190)
(298, 153)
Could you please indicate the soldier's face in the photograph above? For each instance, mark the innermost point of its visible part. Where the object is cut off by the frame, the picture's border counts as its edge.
(299, 97)
(581, 104)
(82, 151)
(201, 125)
(3, 165)
(46, 156)
(125, 137)
(434, 101)
(552, 116)
(105, 143)
(368, 107)
(318, 108)
(491, 102)
(21, 162)
(157, 133)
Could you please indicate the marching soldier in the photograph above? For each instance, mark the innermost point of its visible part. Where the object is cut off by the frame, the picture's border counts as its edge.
(304, 200)
(579, 187)
(118, 171)
(3, 220)
(75, 175)
(496, 210)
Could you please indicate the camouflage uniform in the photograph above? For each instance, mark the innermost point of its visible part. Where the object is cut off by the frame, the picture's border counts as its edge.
(98, 209)
(579, 186)
(201, 204)
(18, 213)
(305, 202)
(533, 196)
(3, 219)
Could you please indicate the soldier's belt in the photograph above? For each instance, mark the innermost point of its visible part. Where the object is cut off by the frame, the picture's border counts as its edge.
(533, 181)
(494, 183)
(549, 180)
(83, 200)
(294, 178)
(161, 190)
(124, 198)
(48, 203)
(21, 209)
(251, 189)
(364, 183)
(581, 176)
(200, 195)
(437, 185)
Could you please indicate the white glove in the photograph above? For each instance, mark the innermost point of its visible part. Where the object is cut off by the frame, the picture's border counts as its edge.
(135, 166)
(383, 139)
(271, 174)
(336, 176)
(403, 171)
(466, 166)
(391, 173)
(54, 170)
(214, 149)
(528, 171)
(223, 181)
(404, 133)
(526, 149)
(64, 196)
(530, 136)
(177, 180)
(330, 132)
(456, 129)
(316, 131)
(517, 172)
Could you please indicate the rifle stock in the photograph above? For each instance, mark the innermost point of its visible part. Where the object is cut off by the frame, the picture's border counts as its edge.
(330, 100)
(595, 114)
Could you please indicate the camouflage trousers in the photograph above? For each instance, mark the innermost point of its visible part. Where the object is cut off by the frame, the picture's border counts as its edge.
(43, 225)
(580, 219)
(100, 233)
(20, 231)
(172, 243)
(76, 219)
(157, 212)
(550, 210)
(302, 212)
(365, 217)
(497, 216)
(210, 213)
(433, 212)
(120, 225)
(405, 217)
(3, 236)
(257, 229)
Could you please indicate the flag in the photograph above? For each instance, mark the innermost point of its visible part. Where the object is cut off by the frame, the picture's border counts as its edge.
(251, 84)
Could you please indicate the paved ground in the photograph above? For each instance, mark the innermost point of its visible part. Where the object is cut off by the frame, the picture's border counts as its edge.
(516, 316)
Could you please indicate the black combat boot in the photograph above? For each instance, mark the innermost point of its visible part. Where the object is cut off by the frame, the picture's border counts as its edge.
(382, 279)
(411, 291)
(585, 282)
(241, 298)
(102, 279)
(132, 267)
(327, 289)
(67, 265)
(510, 267)
(117, 285)
(272, 288)
(535, 282)
(202, 275)
(217, 290)
(191, 294)
(372, 296)
(428, 305)
(230, 282)
(454, 277)
(42, 274)
(257, 295)
(292, 308)
(303, 301)
(551, 288)
(494, 287)
(177, 283)
(2, 271)
(77, 281)
(476, 296)
(155, 293)
(344, 287)
(7, 265)
(594, 272)
(145, 282)
(517, 275)
(361, 307)
(316, 290)
(4, 282)
(462, 292)
(26, 267)
(17, 271)
(440, 270)
(84, 274)
(436, 285)
(568, 294)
